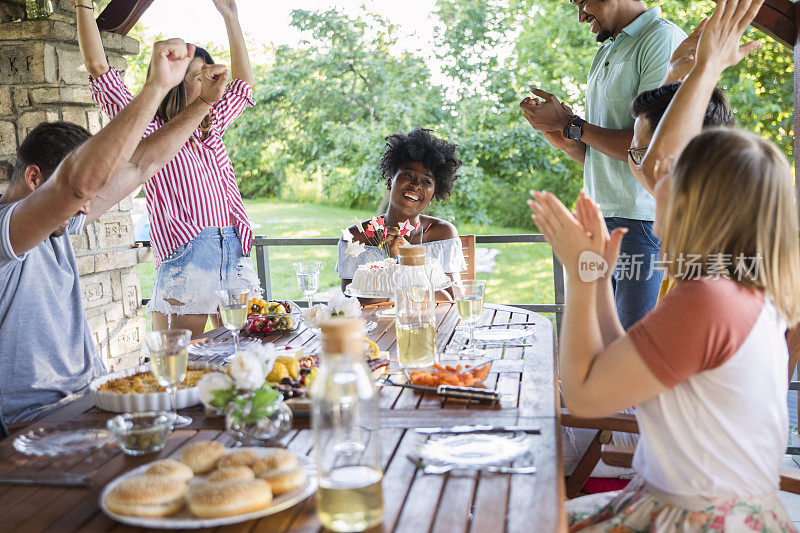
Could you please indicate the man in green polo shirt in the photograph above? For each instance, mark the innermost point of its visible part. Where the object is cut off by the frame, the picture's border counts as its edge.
(633, 57)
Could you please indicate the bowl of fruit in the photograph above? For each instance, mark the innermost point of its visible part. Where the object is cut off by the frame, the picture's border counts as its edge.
(268, 317)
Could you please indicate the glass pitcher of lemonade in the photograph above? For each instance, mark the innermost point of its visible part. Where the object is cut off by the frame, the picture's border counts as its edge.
(415, 318)
(346, 422)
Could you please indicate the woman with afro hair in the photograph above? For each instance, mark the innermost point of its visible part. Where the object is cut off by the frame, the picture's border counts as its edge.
(418, 168)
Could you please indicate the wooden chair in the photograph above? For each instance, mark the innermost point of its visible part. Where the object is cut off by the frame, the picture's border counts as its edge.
(622, 456)
(468, 246)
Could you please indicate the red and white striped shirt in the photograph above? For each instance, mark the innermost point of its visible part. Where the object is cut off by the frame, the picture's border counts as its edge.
(197, 189)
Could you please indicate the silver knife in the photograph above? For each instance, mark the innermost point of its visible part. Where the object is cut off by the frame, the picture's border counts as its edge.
(478, 429)
(501, 325)
(50, 479)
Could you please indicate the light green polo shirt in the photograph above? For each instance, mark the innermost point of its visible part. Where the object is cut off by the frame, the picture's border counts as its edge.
(635, 61)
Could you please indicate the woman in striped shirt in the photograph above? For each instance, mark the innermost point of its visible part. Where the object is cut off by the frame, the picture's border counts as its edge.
(199, 231)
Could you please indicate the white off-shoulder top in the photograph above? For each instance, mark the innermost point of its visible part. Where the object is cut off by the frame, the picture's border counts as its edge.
(448, 252)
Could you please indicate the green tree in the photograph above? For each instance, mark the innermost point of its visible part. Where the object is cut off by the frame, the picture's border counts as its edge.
(325, 108)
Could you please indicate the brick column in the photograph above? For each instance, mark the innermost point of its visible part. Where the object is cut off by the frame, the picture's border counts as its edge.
(42, 78)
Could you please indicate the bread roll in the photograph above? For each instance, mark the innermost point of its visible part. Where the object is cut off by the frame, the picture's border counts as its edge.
(202, 456)
(275, 459)
(149, 495)
(172, 469)
(239, 458)
(230, 473)
(285, 480)
(229, 498)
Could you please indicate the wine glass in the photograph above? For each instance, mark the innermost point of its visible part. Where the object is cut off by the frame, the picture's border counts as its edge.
(169, 356)
(308, 278)
(233, 310)
(469, 296)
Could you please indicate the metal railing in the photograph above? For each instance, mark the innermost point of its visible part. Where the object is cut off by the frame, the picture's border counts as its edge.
(262, 244)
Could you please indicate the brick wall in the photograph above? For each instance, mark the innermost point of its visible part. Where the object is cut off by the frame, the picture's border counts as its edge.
(42, 78)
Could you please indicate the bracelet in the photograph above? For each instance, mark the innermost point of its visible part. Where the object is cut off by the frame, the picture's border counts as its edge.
(565, 131)
(85, 7)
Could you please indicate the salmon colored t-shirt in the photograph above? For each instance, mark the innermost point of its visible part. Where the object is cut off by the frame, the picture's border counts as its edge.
(721, 427)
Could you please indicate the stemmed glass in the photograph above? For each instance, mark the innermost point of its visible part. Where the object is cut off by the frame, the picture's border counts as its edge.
(233, 310)
(308, 278)
(169, 356)
(469, 295)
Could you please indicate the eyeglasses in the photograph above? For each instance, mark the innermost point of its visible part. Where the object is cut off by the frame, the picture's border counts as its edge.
(637, 154)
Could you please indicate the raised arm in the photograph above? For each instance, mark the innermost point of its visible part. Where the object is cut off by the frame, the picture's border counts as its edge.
(591, 218)
(94, 56)
(159, 148)
(240, 61)
(85, 171)
(718, 48)
(589, 367)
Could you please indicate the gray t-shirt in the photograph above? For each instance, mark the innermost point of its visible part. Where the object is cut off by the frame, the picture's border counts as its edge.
(46, 348)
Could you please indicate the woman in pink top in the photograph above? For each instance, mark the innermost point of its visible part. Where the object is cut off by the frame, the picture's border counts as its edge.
(199, 231)
(707, 368)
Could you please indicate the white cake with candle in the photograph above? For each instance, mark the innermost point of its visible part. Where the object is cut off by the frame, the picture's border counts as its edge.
(378, 278)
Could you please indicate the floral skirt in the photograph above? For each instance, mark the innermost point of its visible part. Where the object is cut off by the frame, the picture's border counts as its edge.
(639, 508)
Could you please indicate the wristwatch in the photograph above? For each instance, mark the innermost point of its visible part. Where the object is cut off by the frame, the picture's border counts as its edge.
(574, 128)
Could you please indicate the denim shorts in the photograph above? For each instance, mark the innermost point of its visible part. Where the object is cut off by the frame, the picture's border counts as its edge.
(194, 272)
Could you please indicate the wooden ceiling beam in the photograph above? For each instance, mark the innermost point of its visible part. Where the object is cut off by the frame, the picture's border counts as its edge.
(119, 16)
(778, 19)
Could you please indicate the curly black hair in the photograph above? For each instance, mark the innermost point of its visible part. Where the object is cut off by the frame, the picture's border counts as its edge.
(438, 156)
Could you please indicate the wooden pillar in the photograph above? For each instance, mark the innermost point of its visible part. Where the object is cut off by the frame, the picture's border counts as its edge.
(796, 22)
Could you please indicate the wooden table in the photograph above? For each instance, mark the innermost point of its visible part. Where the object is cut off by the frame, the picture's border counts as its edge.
(413, 502)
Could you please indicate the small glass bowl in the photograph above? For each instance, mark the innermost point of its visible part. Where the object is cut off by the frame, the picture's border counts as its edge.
(141, 433)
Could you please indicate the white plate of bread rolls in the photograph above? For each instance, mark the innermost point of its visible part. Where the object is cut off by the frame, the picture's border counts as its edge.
(208, 485)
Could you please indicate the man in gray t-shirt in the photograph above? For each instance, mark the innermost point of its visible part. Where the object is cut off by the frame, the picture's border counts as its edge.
(62, 179)
(41, 294)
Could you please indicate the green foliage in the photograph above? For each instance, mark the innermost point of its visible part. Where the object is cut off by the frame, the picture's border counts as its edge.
(324, 107)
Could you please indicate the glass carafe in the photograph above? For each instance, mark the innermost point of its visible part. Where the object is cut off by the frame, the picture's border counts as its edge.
(346, 422)
(415, 304)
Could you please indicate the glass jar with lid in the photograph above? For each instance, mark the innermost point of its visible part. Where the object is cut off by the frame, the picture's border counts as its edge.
(346, 422)
(415, 318)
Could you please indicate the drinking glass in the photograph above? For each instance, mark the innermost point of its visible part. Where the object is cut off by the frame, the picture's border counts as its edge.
(308, 278)
(233, 310)
(469, 296)
(169, 355)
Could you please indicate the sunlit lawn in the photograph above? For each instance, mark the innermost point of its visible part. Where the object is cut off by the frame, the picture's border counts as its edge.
(522, 272)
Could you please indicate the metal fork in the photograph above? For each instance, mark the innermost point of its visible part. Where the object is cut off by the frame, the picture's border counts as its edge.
(443, 469)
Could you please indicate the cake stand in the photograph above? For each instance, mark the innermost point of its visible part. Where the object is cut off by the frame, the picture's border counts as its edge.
(388, 312)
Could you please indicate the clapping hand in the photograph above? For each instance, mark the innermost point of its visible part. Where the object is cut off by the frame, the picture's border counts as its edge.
(588, 213)
(529, 108)
(570, 234)
(213, 80)
(545, 115)
(718, 47)
(170, 60)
